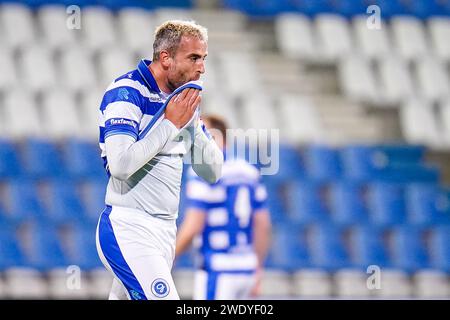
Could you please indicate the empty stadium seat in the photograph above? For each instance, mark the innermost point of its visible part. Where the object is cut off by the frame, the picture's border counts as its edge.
(78, 69)
(42, 247)
(23, 202)
(17, 25)
(98, 28)
(38, 69)
(136, 26)
(371, 43)
(243, 64)
(220, 104)
(82, 159)
(90, 114)
(21, 115)
(63, 205)
(100, 283)
(407, 248)
(356, 78)
(326, 247)
(386, 204)
(68, 284)
(322, 163)
(41, 159)
(396, 82)
(334, 36)
(288, 249)
(306, 126)
(275, 283)
(312, 283)
(351, 284)
(427, 133)
(444, 115)
(409, 37)
(93, 198)
(306, 203)
(427, 204)
(294, 36)
(431, 284)
(347, 204)
(439, 28)
(80, 247)
(113, 63)
(9, 161)
(394, 284)
(25, 283)
(61, 117)
(257, 113)
(53, 22)
(9, 75)
(433, 81)
(11, 254)
(367, 247)
(439, 248)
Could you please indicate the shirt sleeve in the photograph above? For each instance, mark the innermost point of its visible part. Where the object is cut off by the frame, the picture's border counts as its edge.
(122, 112)
(260, 196)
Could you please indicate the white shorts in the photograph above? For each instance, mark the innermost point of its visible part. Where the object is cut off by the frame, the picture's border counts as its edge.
(138, 250)
(223, 285)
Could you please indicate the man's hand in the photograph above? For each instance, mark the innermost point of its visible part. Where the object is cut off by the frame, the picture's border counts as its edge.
(181, 108)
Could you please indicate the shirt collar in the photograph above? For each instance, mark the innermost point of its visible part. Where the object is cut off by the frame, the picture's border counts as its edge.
(145, 73)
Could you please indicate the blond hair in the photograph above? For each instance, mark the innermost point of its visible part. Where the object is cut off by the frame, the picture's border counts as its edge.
(168, 35)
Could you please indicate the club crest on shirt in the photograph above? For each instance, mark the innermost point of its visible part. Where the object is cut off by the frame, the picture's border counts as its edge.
(160, 288)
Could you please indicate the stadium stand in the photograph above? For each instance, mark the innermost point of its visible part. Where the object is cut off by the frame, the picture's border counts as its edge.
(364, 120)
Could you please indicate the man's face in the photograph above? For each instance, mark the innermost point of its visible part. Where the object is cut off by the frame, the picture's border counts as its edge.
(188, 62)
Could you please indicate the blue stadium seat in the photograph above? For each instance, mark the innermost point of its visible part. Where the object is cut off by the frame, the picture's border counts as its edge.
(427, 204)
(386, 203)
(291, 165)
(347, 204)
(326, 247)
(10, 253)
(349, 8)
(424, 9)
(93, 199)
(24, 204)
(307, 203)
(41, 159)
(439, 248)
(407, 248)
(322, 163)
(81, 248)
(367, 247)
(82, 159)
(275, 200)
(312, 7)
(389, 8)
(386, 164)
(64, 205)
(288, 249)
(43, 248)
(9, 161)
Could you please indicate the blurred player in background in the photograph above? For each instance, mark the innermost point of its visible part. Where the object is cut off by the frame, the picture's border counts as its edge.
(231, 224)
(136, 232)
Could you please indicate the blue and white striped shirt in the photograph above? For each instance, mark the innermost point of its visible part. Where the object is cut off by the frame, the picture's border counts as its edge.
(230, 204)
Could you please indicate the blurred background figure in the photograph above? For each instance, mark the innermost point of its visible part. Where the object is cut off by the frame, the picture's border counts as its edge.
(361, 99)
(230, 224)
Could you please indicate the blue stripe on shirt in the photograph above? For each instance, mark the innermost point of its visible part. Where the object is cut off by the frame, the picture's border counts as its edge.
(133, 96)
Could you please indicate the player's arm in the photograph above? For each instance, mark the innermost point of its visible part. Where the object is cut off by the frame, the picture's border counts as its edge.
(126, 155)
(192, 225)
(262, 229)
(207, 158)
